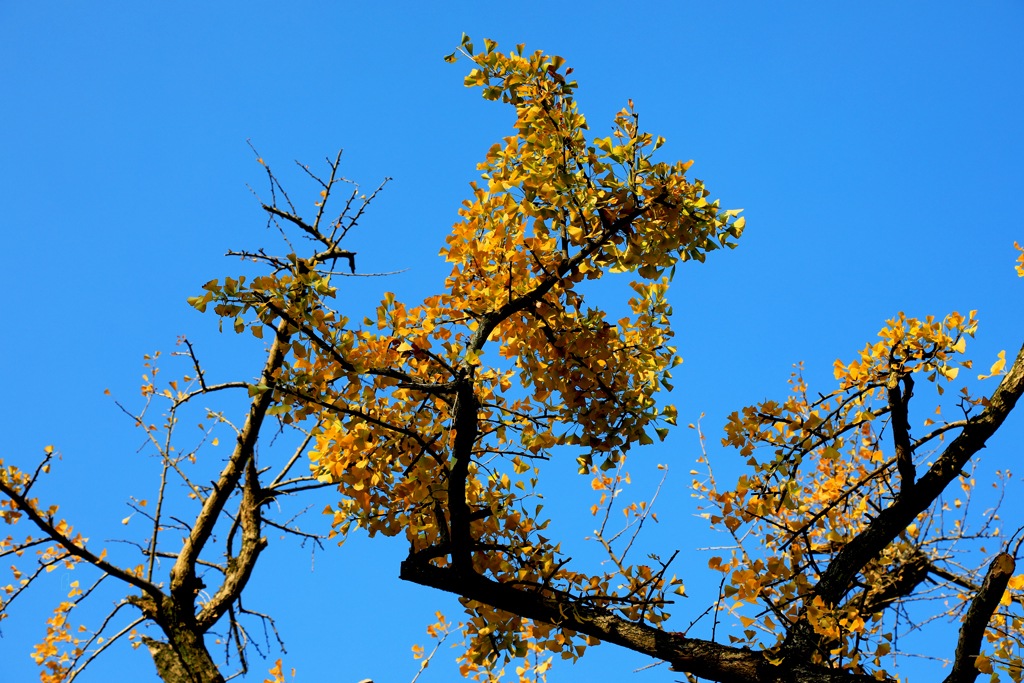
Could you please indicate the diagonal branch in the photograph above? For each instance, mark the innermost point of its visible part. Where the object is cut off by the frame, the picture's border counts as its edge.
(291, 217)
(984, 604)
(183, 576)
(52, 533)
(837, 579)
(610, 228)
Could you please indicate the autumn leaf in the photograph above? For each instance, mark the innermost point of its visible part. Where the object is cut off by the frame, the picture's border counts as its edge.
(997, 367)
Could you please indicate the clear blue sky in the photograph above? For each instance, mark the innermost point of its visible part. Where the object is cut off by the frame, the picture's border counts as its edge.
(875, 147)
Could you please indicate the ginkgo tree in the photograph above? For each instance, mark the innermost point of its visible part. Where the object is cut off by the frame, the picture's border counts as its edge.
(181, 586)
(450, 408)
(434, 420)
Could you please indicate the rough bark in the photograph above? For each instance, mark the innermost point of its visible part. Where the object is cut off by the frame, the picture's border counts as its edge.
(184, 660)
(984, 604)
(703, 658)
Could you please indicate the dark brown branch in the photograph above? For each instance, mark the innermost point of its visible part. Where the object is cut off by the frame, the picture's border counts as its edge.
(195, 363)
(323, 202)
(183, 573)
(51, 532)
(702, 658)
(838, 577)
(209, 390)
(362, 209)
(984, 604)
(291, 217)
(465, 418)
(151, 551)
(239, 567)
(897, 583)
(611, 228)
(346, 365)
(298, 453)
(958, 424)
(35, 475)
(899, 404)
(366, 417)
(466, 428)
(99, 650)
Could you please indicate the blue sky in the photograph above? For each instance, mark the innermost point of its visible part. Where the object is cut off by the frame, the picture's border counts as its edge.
(875, 149)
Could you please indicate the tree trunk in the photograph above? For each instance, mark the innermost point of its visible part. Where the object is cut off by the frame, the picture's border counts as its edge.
(183, 660)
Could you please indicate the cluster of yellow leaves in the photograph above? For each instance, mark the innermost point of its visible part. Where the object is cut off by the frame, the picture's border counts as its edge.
(58, 648)
(493, 648)
(277, 673)
(819, 475)
(551, 212)
(550, 200)
(545, 370)
(296, 296)
(910, 345)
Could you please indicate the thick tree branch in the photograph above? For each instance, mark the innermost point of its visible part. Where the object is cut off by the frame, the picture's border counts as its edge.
(239, 567)
(303, 225)
(837, 579)
(984, 604)
(466, 427)
(183, 577)
(702, 658)
(899, 403)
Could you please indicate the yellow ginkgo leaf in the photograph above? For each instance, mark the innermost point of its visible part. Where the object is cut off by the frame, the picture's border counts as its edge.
(997, 367)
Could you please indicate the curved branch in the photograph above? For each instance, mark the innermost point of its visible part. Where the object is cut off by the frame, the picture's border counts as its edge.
(702, 658)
